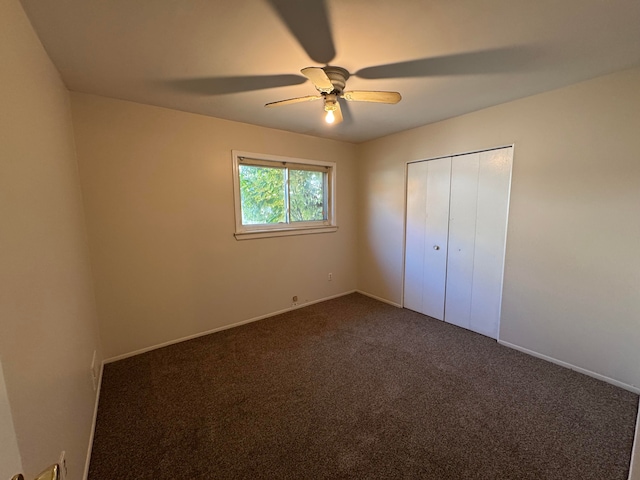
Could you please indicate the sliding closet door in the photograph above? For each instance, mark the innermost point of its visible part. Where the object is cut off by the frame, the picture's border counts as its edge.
(462, 236)
(455, 238)
(428, 185)
(414, 243)
(494, 180)
(477, 235)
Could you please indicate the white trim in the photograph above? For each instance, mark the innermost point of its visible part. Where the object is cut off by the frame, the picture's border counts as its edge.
(617, 383)
(635, 452)
(244, 232)
(404, 234)
(93, 424)
(285, 232)
(459, 154)
(506, 240)
(380, 299)
(224, 327)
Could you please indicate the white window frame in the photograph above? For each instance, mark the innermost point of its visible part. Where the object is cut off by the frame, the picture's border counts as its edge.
(245, 232)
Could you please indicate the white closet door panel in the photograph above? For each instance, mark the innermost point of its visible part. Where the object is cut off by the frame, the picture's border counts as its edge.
(462, 233)
(414, 243)
(435, 238)
(491, 223)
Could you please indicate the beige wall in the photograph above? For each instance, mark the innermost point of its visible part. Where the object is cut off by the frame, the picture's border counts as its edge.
(158, 193)
(159, 209)
(572, 271)
(47, 308)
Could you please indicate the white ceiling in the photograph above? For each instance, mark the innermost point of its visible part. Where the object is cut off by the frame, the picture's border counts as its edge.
(459, 55)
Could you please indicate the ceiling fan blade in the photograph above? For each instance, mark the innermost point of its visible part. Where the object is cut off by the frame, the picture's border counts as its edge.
(308, 21)
(495, 60)
(319, 78)
(346, 111)
(372, 96)
(222, 85)
(290, 101)
(337, 114)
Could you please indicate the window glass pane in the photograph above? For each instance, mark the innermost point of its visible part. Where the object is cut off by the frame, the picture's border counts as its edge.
(306, 195)
(262, 195)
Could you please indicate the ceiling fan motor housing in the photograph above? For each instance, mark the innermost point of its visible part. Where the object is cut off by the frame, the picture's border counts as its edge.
(338, 77)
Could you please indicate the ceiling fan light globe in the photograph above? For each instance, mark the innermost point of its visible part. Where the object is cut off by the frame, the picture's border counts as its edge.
(330, 117)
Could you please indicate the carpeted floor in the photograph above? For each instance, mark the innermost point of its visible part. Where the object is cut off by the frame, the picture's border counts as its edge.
(354, 388)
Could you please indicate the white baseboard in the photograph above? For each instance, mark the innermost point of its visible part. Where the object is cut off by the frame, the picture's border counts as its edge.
(93, 424)
(224, 327)
(380, 299)
(617, 383)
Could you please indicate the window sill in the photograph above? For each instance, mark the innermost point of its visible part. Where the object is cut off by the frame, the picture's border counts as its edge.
(284, 232)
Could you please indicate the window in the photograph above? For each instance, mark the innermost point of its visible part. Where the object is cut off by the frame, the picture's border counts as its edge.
(276, 196)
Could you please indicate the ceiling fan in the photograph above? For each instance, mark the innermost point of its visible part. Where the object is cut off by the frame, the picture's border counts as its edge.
(308, 22)
(330, 82)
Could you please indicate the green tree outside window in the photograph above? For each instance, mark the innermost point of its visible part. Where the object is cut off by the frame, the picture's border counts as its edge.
(265, 196)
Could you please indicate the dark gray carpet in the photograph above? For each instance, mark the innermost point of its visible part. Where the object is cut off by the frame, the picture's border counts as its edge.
(354, 388)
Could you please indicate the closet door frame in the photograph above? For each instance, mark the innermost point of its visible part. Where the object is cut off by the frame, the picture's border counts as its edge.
(506, 236)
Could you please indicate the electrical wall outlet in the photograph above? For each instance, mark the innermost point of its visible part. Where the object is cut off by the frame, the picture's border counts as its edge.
(330, 277)
(63, 466)
(294, 301)
(95, 371)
